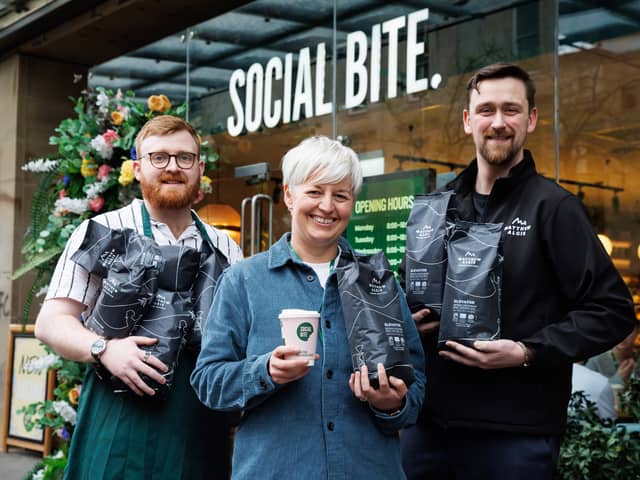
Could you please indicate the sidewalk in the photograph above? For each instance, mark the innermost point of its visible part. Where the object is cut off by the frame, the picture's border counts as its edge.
(15, 464)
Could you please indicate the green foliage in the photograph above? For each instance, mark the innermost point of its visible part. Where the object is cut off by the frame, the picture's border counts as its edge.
(630, 398)
(594, 448)
(50, 468)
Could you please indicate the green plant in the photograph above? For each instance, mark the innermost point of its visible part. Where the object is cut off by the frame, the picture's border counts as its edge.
(630, 398)
(594, 448)
(49, 468)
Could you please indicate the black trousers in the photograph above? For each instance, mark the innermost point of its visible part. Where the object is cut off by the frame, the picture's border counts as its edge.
(431, 452)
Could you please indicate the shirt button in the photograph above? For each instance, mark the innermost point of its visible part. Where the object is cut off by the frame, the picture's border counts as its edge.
(329, 374)
(331, 426)
(310, 278)
(327, 324)
(263, 384)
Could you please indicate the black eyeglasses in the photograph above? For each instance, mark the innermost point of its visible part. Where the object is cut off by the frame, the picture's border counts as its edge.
(185, 160)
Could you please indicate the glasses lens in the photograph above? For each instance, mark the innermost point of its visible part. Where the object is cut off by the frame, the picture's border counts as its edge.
(185, 159)
(159, 159)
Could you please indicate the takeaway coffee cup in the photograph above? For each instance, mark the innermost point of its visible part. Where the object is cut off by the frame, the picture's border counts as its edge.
(300, 330)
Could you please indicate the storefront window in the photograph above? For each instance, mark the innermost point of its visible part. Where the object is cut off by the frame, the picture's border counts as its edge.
(260, 78)
(599, 118)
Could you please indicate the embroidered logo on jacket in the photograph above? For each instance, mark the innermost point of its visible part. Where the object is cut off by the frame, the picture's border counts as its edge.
(518, 227)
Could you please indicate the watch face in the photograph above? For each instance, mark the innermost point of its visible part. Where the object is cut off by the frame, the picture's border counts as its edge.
(98, 347)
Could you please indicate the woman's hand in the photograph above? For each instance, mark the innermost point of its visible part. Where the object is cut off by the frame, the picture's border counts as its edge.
(285, 367)
(388, 396)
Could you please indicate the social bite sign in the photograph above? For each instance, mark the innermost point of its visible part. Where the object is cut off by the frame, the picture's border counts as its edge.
(301, 92)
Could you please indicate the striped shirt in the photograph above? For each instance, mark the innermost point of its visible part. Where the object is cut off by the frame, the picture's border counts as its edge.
(72, 281)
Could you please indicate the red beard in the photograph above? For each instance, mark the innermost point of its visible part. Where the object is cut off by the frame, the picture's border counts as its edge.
(176, 198)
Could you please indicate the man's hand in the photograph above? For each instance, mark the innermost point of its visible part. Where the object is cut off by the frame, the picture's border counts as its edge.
(126, 361)
(626, 368)
(388, 396)
(285, 367)
(422, 325)
(485, 354)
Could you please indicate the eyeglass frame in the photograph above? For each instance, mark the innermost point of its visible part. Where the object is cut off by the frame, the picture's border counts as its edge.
(174, 156)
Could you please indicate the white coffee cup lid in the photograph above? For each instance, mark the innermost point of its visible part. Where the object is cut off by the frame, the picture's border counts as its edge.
(297, 313)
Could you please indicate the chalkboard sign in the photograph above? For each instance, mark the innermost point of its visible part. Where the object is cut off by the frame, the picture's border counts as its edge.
(25, 385)
(379, 219)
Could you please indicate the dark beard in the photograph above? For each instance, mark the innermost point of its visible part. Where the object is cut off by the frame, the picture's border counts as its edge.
(152, 192)
(499, 156)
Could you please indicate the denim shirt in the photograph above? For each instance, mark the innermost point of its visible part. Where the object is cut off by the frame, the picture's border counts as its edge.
(311, 428)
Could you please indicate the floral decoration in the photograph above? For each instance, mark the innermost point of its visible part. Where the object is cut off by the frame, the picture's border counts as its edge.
(91, 173)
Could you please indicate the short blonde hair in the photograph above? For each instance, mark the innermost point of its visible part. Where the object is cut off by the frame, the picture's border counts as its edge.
(324, 160)
(165, 125)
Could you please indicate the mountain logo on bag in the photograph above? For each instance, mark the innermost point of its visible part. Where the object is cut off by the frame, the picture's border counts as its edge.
(107, 258)
(470, 259)
(424, 232)
(517, 228)
(376, 287)
(304, 331)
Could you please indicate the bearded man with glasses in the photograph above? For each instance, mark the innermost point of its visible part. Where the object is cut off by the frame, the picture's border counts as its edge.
(136, 435)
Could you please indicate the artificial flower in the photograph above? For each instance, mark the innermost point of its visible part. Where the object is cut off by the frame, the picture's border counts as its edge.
(41, 165)
(88, 168)
(103, 171)
(158, 103)
(205, 184)
(166, 103)
(66, 411)
(76, 206)
(117, 118)
(62, 193)
(102, 102)
(39, 364)
(126, 173)
(100, 145)
(63, 433)
(74, 395)
(96, 204)
(96, 188)
(110, 136)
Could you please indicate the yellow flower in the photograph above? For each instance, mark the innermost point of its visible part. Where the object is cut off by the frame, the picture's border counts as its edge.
(166, 103)
(116, 118)
(155, 103)
(88, 168)
(74, 395)
(205, 184)
(126, 173)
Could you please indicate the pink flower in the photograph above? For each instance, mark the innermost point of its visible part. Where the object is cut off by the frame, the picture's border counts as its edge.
(62, 193)
(110, 136)
(96, 204)
(103, 171)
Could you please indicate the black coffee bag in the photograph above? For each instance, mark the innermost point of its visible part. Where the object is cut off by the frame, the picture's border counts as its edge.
(212, 264)
(471, 306)
(373, 317)
(426, 253)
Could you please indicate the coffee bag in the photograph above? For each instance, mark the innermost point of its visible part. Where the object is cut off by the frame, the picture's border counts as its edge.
(471, 304)
(426, 253)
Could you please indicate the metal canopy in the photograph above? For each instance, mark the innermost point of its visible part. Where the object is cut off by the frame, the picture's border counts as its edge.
(263, 29)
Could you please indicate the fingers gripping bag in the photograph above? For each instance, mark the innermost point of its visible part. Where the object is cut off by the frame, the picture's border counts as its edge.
(169, 317)
(472, 292)
(426, 254)
(373, 317)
